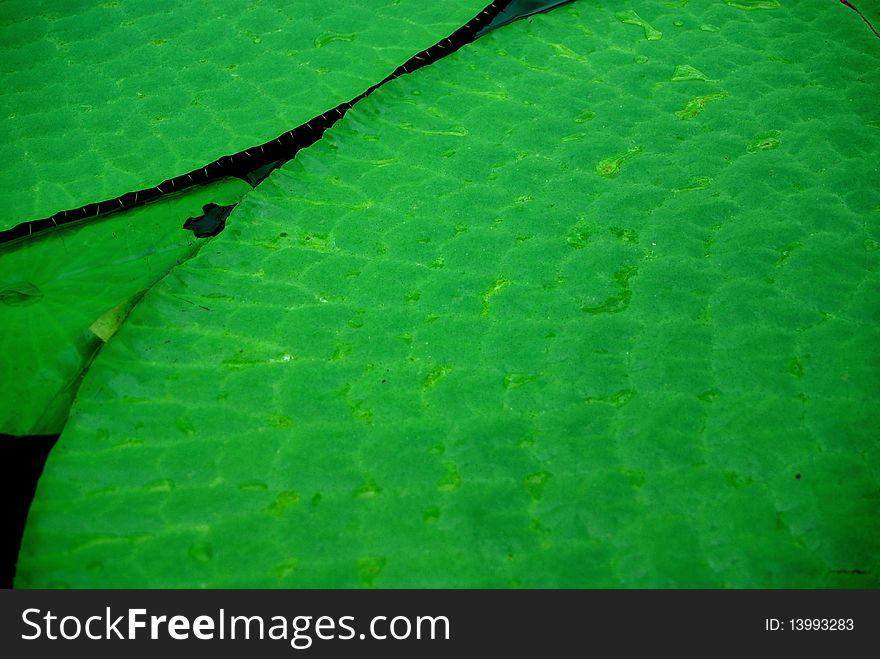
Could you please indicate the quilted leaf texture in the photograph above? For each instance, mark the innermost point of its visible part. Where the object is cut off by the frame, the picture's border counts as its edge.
(99, 99)
(591, 303)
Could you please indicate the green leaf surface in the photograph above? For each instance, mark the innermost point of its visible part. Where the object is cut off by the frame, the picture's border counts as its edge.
(518, 321)
(99, 99)
(870, 13)
(65, 292)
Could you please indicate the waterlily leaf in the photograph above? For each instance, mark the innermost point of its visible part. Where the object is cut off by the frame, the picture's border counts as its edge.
(54, 286)
(447, 346)
(102, 99)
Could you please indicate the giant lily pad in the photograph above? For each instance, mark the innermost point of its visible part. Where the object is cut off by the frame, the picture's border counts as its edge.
(592, 302)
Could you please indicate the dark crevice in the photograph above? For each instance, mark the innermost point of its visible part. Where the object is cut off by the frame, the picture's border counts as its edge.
(255, 163)
(23, 459)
